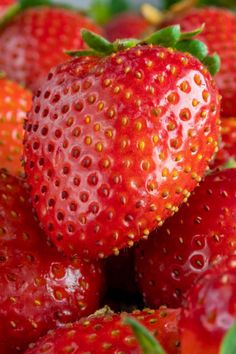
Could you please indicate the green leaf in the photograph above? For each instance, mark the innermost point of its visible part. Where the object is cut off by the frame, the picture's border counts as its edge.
(117, 6)
(167, 37)
(194, 47)
(100, 12)
(231, 163)
(228, 345)
(83, 53)
(24, 4)
(147, 341)
(122, 44)
(9, 14)
(189, 35)
(212, 63)
(96, 42)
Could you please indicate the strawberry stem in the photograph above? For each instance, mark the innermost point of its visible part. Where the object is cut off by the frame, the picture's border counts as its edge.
(167, 37)
(228, 345)
(147, 341)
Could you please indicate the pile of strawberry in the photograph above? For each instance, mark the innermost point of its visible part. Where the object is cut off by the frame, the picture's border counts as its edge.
(117, 172)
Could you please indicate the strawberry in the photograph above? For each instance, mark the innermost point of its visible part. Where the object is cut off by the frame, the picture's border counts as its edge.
(210, 310)
(200, 234)
(35, 40)
(126, 25)
(224, 44)
(227, 149)
(108, 334)
(40, 288)
(15, 101)
(114, 144)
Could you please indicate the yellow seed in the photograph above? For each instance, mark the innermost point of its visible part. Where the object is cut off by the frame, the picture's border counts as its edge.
(124, 120)
(165, 172)
(97, 127)
(138, 126)
(87, 119)
(100, 106)
(155, 139)
(141, 145)
(99, 147)
(88, 140)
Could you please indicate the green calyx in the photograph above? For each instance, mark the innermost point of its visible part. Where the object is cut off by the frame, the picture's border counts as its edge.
(228, 345)
(146, 340)
(169, 37)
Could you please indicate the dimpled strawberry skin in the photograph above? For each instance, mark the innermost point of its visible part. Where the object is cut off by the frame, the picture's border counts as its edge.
(15, 102)
(200, 234)
(109, 335)
(40, 288)
(210, 310)
(35, 40)
(114, 145)
(224, 44)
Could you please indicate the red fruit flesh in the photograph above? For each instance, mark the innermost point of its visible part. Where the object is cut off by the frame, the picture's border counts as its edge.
(108, 334)
(199, 235)
(15, 101)
(36, 40)
(113, 145)
(210, 310)
(40, 289)
(224, 44)
(126, 25)
(227, 149)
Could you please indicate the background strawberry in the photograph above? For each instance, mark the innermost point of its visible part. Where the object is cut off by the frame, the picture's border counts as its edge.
(227, 149)
(200, 234)
(35, 40)
(40, 289)
(127, 25)
(108, 333)
(15, 101)
(114, 144)
(210, 310)
(224, 44)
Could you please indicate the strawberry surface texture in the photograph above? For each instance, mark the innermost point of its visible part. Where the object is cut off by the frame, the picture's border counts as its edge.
(40, 288)
(36, 39)
(113, 145)
(198, 236)
(223, 22)
(108, 334)
(209, 310)
(15, 102)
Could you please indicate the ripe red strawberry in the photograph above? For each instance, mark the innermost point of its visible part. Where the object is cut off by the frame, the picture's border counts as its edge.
(15, 101)
(210, 310)
(40, 289)
(108, 334)
(200, 234)
(126, 25)
(35, 40)
(223, 44)
(227, 149)
(114, 144)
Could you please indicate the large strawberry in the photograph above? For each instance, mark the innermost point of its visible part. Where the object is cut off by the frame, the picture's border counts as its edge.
(127, 25)
(40, 289)
(15, 101)
(227, 150)
(210, 310)
(108, 333)
(200, 234)
(35, 39)
(222, 22)
(115, 143)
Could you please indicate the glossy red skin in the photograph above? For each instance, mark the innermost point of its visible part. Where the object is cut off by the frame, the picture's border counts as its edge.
(126, 25)
(224, 45)
(96, 217)
(15, 102)
(40, 288)
(108, 334)
(227, 149)
(200, 234)
(210, 310)
(35, 40)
